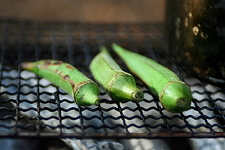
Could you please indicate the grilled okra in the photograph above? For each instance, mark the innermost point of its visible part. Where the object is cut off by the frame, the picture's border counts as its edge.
(174, 94)
(120, 85)
(68, 78)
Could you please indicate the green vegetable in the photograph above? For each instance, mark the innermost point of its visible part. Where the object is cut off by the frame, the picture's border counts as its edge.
(174, 94)
(68, 78)
(120, 85)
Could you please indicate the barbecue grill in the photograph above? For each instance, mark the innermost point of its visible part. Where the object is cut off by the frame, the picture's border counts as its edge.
(32, 107)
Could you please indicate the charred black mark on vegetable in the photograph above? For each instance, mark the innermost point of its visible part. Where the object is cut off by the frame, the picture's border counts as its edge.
(47, 62)
(57, 63)
(66, 77)
(69, 67)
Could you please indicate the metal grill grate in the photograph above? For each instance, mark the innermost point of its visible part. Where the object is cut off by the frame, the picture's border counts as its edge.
(32, 107)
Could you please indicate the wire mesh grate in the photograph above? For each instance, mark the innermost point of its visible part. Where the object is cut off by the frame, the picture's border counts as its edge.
(31, 106)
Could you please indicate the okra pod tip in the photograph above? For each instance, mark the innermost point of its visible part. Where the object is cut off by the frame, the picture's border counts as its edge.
(123, 87)
(176, 97)
(138, 95)
(27, 65)
(88, 97)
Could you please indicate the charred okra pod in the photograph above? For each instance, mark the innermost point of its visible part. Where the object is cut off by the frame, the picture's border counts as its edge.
(68, 78)
(120, 85)
(174, 94)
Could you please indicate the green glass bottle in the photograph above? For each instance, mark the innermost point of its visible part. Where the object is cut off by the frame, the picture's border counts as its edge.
(196, 37)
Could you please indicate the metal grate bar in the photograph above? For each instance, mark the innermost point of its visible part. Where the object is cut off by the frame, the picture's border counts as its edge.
(69, 43)
(37, 54)
(31, 106)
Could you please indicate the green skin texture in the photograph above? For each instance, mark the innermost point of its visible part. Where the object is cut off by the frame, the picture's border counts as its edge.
(68, 78)
(174, 94)
(120, 85)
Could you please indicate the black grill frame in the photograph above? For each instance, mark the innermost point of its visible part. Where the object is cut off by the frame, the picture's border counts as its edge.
(77, 43)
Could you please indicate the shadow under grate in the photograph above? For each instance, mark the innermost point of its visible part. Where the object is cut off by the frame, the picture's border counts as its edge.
(33, 107)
